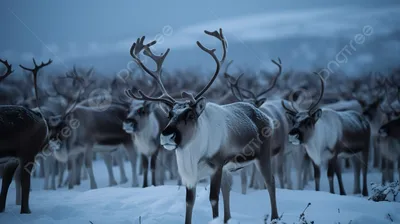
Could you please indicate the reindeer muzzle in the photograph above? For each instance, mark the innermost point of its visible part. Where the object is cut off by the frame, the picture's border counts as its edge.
(168, 141)
(129, 126)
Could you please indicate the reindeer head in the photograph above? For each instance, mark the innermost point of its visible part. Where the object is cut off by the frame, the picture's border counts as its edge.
(304, 121)
(138, 115)
(246, 95)
(184, 115)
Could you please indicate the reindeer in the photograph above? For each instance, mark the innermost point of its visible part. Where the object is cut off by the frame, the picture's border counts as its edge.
(75, 162)
(328, 135)
(200, 153)
(144, 122)
(388, 140)
(99, 131)
(24, 133)
(274, 110)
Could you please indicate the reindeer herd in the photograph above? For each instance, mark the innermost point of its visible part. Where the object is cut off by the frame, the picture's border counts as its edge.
(186, 137)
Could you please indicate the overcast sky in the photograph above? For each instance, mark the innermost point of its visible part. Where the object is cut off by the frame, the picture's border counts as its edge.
(73, 29)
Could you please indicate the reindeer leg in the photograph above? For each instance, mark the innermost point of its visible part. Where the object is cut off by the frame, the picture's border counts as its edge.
(215, 187)
(390, 171)
(8, 173)
(108, 161)
(243, 180)
(317, 175)
(398, 167)
(71, 172)
(53, 169)
(365, 155)
(46, 164)
(226, 189)
(330, 172)
(264, 166)
(18, 189)
(145, 164)
(357, 174)
(190, 200)
(279, 165)
(132, 155)
(79, 167)
(120, 161)
(338, 171)
(61, 170)
(383, 170)
(89, 166)
(26, 171)
(253, 176)
(153, 162)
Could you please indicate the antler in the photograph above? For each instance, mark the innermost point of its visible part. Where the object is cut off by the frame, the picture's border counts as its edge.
(275, 78)
(211, 52)
(134, 51)
(234, 85)
(35, 72)
(9, 69)
(312, 106)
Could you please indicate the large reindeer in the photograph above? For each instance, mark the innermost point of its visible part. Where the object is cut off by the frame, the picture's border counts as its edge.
(24, 133)
(211, 139)
(328, 135)
(274, 110)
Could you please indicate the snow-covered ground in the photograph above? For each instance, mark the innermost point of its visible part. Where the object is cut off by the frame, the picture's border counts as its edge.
(166, 204)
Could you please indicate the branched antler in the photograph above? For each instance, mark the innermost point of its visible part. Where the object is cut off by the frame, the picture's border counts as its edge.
(8, 71)
(255, 97)
(156, 75)
(165, 97)
(35, 72)
(219, 35)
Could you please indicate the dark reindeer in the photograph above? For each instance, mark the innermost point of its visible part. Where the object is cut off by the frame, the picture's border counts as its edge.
(328, 135)
(24, 133)
(211, 139)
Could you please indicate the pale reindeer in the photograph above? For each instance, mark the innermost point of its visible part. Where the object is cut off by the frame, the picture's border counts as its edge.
(328, 135)
(211, 139)
(24, 133)
(274, 110)
(144, 122)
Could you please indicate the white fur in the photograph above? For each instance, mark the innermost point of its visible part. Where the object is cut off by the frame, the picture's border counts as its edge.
(209, 136)
(328, 129)
(143, 139)
(7, 159)
(345, 105)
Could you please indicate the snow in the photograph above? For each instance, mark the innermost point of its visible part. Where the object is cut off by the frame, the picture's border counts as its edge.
(166, 204)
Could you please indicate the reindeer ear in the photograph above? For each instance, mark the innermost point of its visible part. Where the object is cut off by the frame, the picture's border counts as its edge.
(261, 101)
(289, 116)
(316, 115)
(200, 105)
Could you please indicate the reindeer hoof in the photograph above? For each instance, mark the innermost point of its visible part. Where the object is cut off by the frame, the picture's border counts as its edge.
(112, 183)
(124, 180)
(25, 211)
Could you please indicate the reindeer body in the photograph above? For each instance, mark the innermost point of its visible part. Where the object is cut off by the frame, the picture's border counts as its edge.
(243, 135)
(388, 143)
(23, 135)
(339, 135)
(98, 131)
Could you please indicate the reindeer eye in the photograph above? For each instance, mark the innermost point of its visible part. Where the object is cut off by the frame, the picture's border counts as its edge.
(190, 115)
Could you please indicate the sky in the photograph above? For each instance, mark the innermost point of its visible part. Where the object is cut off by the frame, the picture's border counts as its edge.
(99, 33)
